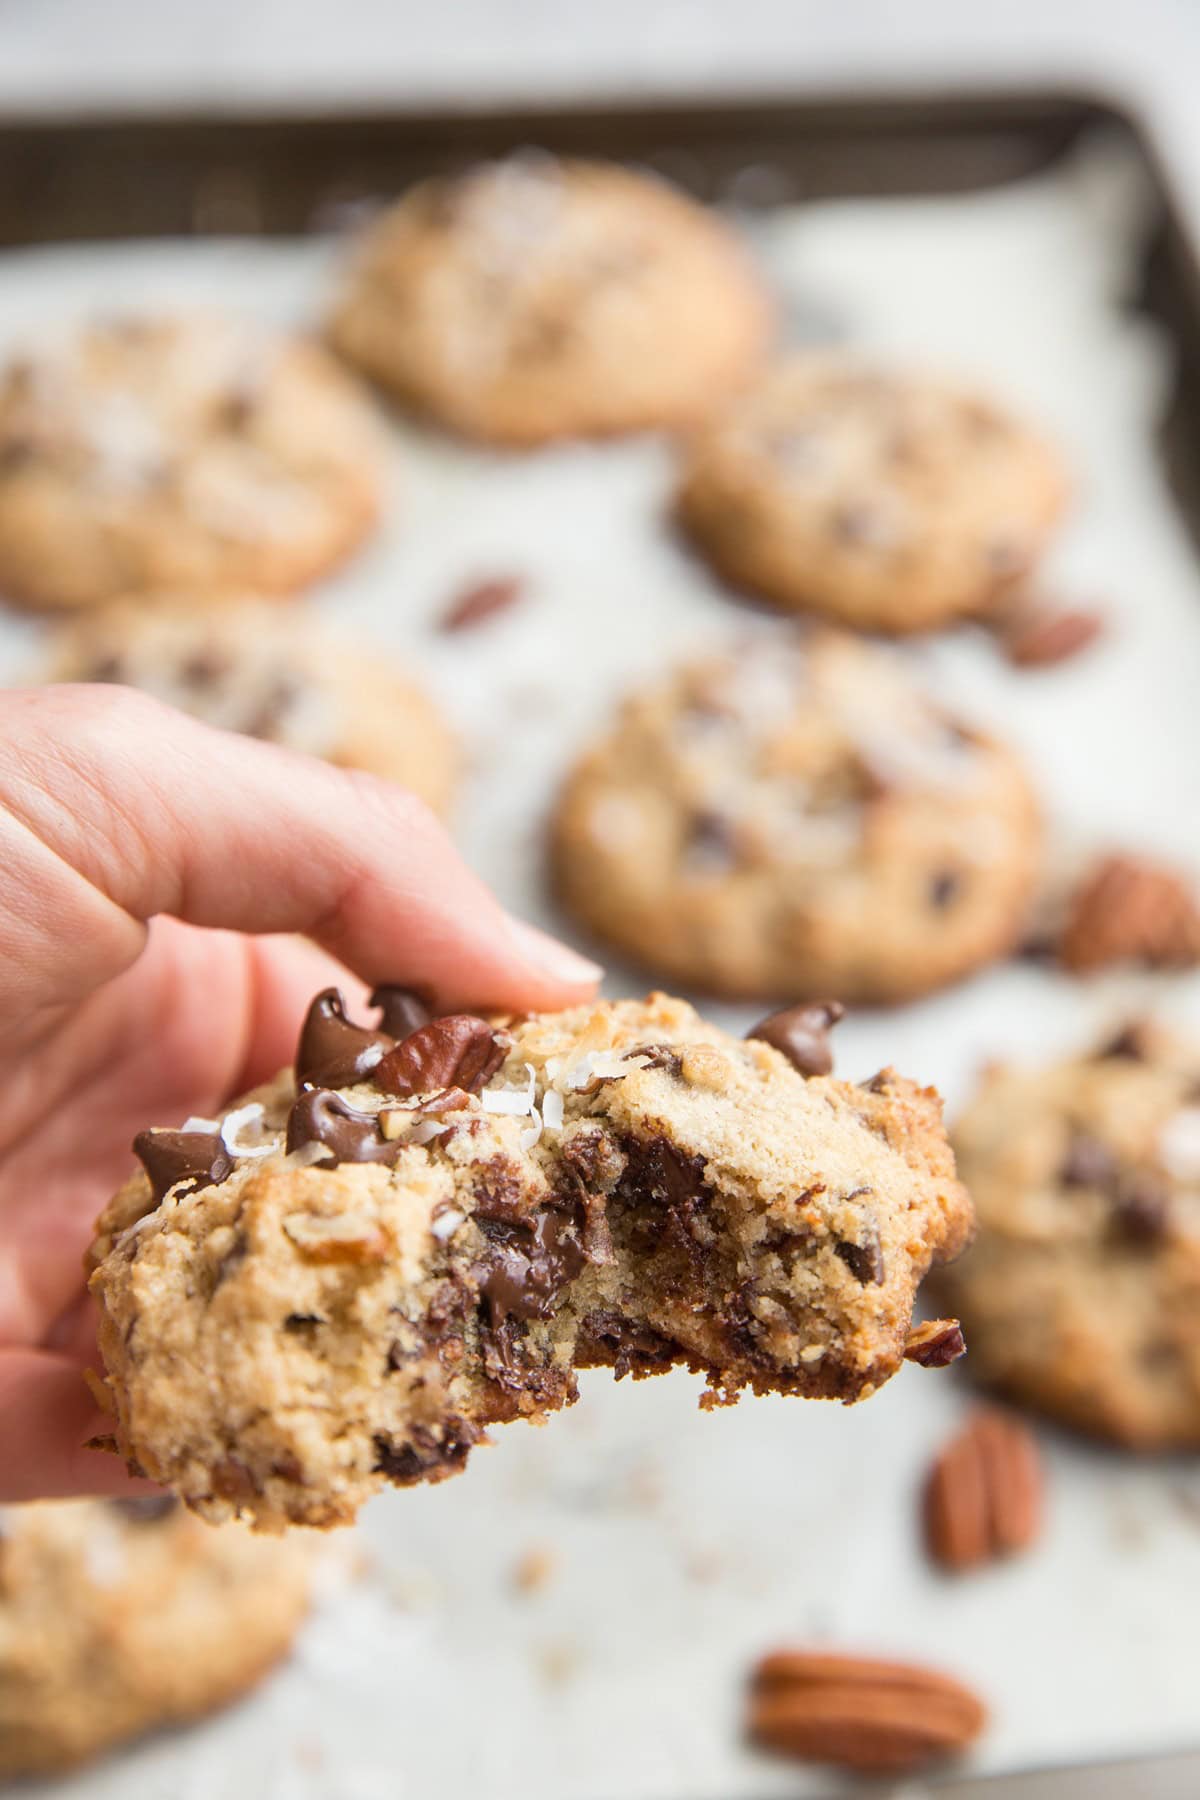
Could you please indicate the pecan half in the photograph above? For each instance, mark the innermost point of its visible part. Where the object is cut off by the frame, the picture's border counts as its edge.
(983, 1495)
(459, 1050)
(875, 1717)
(482, 601)
(1131, 910)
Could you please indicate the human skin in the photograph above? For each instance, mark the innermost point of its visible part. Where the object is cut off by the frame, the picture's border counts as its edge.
(144, 858)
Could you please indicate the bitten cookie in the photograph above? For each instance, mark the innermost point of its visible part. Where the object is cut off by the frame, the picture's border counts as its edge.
(1081, 1297)
(795, 818)
(120, 1616)
(349, 1277)
(247, 666)
(532, 299)
(885, 501)
(195, 452)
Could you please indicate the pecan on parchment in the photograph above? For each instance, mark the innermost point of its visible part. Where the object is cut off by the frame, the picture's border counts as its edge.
(983, 1495)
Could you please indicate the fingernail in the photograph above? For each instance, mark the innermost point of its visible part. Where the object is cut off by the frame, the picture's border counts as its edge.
(552, 957)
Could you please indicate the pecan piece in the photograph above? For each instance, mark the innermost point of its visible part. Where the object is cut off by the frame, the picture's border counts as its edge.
(935, 1344)
(482, 601)
(983, 1495)
(1131, 910)
(875, 1717)
(459, 1050)
(1040, 636)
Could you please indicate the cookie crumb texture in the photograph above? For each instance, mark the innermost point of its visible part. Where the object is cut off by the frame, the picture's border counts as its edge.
(1081, 1295)
(886, 501)
(248, 665)
(192, 451)
(795, 818)
(347, 1284)
(117, 1617)
(532, 299)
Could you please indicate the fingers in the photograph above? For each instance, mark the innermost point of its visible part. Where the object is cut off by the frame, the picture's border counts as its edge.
(46, 1417)
(119, 809)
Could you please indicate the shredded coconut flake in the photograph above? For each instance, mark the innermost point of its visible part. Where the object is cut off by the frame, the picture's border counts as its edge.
(512, 1100)
(425, 1130)
(532, 1132)
(447, 1223)
(250, 1117)
(195, 1123)
(552, 1111)
(610, 1063)
(307, 1154)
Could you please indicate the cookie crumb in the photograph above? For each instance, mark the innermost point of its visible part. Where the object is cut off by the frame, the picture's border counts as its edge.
(535, 1569)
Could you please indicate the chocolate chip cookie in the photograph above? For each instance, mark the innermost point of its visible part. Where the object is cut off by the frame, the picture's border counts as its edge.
(195, 452)
(426, 1228)
(532, 299)
(885, 501)
(796, 818)
(120, 1616)
(247, 665)
(1081, 1297)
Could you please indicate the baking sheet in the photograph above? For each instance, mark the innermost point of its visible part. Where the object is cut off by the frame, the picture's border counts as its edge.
(687, 1543)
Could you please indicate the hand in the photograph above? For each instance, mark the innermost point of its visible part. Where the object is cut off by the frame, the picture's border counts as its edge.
(142, 855)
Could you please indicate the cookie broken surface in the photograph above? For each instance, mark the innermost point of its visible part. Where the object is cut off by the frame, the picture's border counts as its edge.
(1081, 1295)
(349, 1283)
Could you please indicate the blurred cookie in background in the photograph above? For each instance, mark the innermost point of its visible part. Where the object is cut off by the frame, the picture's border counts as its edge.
(795, 818)
(1081, 1295)
(120, 1616)
(193, 451)
(882, 500)
(247, 666)
(532, 299)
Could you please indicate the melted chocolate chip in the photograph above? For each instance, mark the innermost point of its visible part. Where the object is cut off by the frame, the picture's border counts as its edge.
(403, 1009)
(801, 1033)
(148, 1509)
(1088, 1163)
(169, 1157)
(333, 1052)
(321, 1117)
(1141, 1208)
(865, 1260)
(460, 1050)
(662, 1056)
(425, 1457)
(525, 1270)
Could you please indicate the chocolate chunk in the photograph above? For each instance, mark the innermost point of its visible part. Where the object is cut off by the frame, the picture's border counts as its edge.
(525, 1270)
(662, 1056)
(1088, 1163)
(146, 1509)
(935, 1344)
(945, 888)
(108, 669)
(459, 1050)
(205, 669)
(711, 847)
(321, 1117)
(333, 1052)
(425, 1457)
(404, 1010)
(865, 1260)
(16, 452)
(1130, 1042)
(482, 601)
(169, 1157)
(801, 1033)
(1141, 1207)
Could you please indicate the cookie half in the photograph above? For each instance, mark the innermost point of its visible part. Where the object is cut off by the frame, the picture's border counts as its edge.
(795, 818)
(1081, 1296)
(348, 1278)
(533, 299)
(245, 665)
(195, 452)
(882, 500)
(120, 1616)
